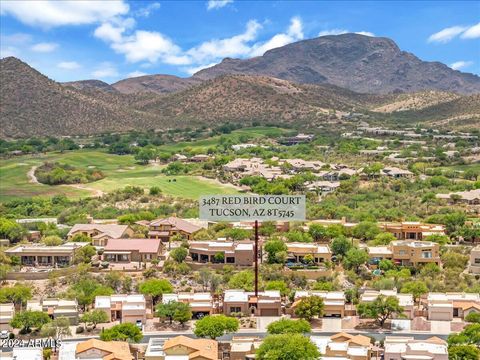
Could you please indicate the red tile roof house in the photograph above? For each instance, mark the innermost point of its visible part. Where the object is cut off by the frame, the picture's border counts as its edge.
(132, 250)
(101, 233)
(163, 229)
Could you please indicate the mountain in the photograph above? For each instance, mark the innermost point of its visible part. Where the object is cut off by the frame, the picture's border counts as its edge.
(160, 84)
(360, 63)
(91, 85)
(31, 104)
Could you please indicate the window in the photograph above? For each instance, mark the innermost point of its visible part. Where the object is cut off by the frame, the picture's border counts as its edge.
(477, 261)
(402, 252)
(235, 309)
(426, 254)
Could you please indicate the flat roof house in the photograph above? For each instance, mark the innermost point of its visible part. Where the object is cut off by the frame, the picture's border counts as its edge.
(242, 348)
(297, 252)
(334, 301)
(56, 308)
(101, 233)
(222, 252)
(125, 308)
(343, 346)
(181, 348)
(164, 229)
(201, 303)
(396, 172)
(407, 348)
(7, 312)
(268, 303)
(41, 255)
(411, 252)
(404, 300)
(446, 306)
(475, 260)
(412, 230)
(133, 250)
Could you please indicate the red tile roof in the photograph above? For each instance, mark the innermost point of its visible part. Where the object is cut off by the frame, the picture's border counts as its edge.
(142, 245)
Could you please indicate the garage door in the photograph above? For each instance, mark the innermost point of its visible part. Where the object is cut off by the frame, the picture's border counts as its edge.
(268, 312)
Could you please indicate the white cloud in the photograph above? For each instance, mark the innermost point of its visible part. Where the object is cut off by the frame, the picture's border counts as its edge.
(147, 10)
(51, 13)
(6, 51)
(44, 47)
(136, 74)
(366, 33)
(105, 70)
(447, 34)
(112, 31)
(195, 69)
(461, 64)
(217, 4)
(229, 47)
(332, 32)
(343, 31)
(472, 32)
(69, 65)
(294, 33)
(151, 46)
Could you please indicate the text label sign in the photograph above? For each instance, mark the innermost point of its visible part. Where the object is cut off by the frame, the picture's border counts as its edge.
(252, 207)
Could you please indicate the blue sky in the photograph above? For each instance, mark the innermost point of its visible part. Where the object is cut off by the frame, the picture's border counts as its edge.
(112, 40)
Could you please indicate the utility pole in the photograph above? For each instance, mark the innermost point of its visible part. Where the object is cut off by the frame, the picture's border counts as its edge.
(256, 258)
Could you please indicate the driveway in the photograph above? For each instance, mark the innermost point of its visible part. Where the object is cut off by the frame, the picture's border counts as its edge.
(440, 327)
(332, 324)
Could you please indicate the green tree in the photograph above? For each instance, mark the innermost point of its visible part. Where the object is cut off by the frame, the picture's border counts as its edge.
(473, 317)
(440, 239)
(279, 285)
(340, 245)
(9, 229)
(470, 335)
(214, 326)
(94, 317)
(463, 352)
(52, 240)
(123, 332)
(417, 288)
(155, 190)
(317, 232)
(273, 247)
(155, 288)
(386, 265)
(354, 258)
(172, 310)
(17, 294)
(381, 309)
(289, 326)
(309, 307)
(57, 329)
(179, 254)
(242, 280)
(452, 260)
(287, 347)
(86, 290)
(145, 155)
(26, 320)
(366, 230)
(84, 254)
(383, 239)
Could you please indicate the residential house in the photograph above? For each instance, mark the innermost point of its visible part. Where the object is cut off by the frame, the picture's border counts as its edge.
(164, 229)
(323, 186)
(201, 303)
(252, 167)
(25, 353)
(95, 349)
(297, 139)
(404, 300)
(41, 255)
(395, 172)
(304, 165)
(412, 230)
(101, 233)
(56, 308)
(200, 158)
(343, 346)
(399, 348)
(133, 250)
(411, 252)
(475, 260)
(447, 306)
(297, 251)
(179, 157)
(267, 303)
(124, 308)
(239, 253)
(238, 147)
(471, 197)
(333, 301)
(181, 348)
(242, 348)
(7, 312)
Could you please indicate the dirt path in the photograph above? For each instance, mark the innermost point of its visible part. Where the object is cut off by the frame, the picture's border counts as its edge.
(31, 175)
(95, 192)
